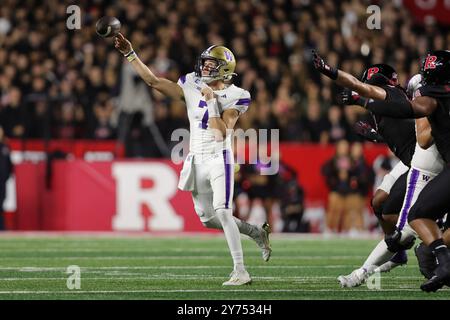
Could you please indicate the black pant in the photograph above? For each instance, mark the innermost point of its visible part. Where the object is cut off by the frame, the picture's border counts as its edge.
(434, 200)
(394, 202)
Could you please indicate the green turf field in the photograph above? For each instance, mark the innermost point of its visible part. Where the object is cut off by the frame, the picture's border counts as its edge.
(192, 267)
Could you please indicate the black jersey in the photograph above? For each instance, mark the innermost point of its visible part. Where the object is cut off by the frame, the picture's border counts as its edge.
(398, 134)
(440, 118)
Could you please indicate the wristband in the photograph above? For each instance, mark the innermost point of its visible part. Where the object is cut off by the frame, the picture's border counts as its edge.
(213, 108)
(131, 56)
(330, 72)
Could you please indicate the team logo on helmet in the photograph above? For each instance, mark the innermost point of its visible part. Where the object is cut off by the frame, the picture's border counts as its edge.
(371, 72)
(430, 62)
(385, 75)
(225, 64)
(436, 68)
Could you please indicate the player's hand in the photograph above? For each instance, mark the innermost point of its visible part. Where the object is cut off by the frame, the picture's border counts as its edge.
(349, 97)
(122, 44)
(365, 130)
(323, 67)
(208, 93)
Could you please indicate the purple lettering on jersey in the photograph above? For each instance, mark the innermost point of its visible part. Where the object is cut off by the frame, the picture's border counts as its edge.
(202, 104)
(183, 79)
(245, 101)
(204, 124)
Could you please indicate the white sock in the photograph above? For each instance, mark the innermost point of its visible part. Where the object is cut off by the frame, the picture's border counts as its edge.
(379, 255)
(231, 231)
(213, 223)
(244, 227)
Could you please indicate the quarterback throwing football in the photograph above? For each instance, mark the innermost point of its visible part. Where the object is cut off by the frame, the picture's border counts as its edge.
(213, 107)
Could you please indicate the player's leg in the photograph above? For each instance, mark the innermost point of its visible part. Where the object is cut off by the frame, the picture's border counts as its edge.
(431, 205)
(425, 257)
(446, 235)
(380, 254)
(405, 236)
(382, 194)
(203, 203)
(203, 197)
(259, 234)
(221, 175)
(377, 203)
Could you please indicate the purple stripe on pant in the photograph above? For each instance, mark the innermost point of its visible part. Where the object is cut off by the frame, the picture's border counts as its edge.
(226, 161)
(409, 196)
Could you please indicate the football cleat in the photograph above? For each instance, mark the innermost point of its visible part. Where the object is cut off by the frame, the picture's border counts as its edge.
(354, 279)
(399, 259)
(427, 260)
(440, 278)
(238, 278)
(262, 240)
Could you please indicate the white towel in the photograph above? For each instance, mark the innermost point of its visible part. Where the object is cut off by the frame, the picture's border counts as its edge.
(187, 175)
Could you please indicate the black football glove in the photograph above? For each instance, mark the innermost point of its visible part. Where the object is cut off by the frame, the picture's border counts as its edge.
(366, 131)
(323, 67)
(349, 97)
(393, 242)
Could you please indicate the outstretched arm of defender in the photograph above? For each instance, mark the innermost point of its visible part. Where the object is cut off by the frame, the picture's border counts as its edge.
(418, 108)
(347, 80)
(165, 86)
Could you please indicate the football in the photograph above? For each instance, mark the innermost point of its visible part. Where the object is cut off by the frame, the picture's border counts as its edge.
(107, 27)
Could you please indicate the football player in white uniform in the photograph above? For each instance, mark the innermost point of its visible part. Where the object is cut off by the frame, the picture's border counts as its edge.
(213, 107)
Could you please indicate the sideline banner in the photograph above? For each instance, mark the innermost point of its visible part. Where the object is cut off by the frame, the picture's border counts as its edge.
(127, 195)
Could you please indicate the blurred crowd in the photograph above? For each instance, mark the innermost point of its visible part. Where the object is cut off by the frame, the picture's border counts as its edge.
(349, 179)
(61, 83)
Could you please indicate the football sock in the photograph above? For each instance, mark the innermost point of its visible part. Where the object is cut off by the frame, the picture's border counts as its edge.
(379, 255)
(213, 223)
(232, 236)
(244, 227)
(440, 251)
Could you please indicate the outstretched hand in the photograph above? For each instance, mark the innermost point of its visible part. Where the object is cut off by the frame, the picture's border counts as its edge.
(323, 67)
(122, 44)
(349, 97)
(366, 131)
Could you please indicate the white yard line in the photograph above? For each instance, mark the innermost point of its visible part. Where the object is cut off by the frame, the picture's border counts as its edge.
(201, 290)
(150, 257)
(167, 235)
(195, 277)
(39, 269)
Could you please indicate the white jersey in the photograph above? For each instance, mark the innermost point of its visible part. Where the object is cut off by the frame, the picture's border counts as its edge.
(201, 136)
